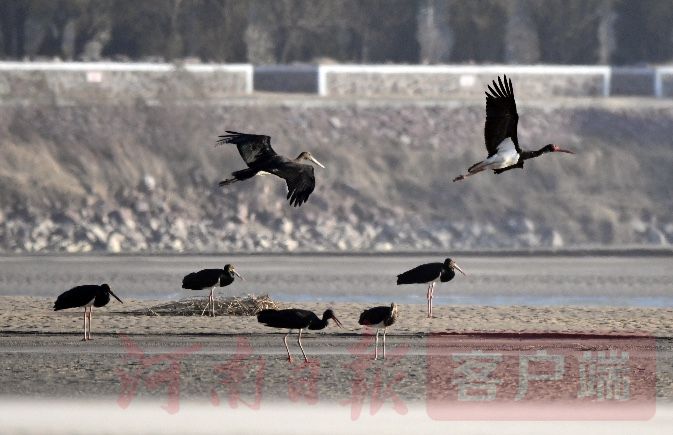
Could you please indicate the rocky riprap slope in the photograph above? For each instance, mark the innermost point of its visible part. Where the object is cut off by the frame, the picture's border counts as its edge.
(143, 177)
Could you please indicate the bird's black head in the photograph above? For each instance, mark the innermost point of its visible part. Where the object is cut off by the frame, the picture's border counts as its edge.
(308, 156)
(106, 288)
(231, 271)
(329, 314)
(553, 148)
(450, 264)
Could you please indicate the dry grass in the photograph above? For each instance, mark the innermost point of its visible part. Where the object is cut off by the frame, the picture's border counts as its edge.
(248, 305)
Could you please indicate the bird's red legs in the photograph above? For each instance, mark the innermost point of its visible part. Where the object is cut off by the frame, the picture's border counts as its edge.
(84, 339)
(212, 301)
(301, 347)
(431, 290)
(376, 345)
(289, 357)
(90, 311)
(384, 343)
(210, 297)
(462, 177)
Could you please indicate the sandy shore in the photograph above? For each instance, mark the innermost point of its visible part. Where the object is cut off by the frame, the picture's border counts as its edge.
(32, 314)
(41, 354)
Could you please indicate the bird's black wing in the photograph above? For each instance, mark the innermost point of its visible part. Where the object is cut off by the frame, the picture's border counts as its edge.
(421, 274)
(205, 278)
(373, 316)
(76, 297)
(290, 318)
(300, 180)
(254, 148)
(501, 116)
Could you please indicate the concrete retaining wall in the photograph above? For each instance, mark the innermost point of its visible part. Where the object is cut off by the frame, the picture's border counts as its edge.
(66, 83)
(120, 83)
(461, 81)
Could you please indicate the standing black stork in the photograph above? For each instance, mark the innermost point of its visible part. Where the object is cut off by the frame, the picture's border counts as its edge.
(379, 317)
(430, 273)
(206, 278)
(85, 296)
(504, 152)
(262, 159)
(294, 318)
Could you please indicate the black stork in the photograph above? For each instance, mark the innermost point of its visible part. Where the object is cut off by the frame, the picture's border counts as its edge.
(206, 278)
(263, 160)
(294, 318)
(430, 273)
(502, 144)
(86, 296)
(379, 318)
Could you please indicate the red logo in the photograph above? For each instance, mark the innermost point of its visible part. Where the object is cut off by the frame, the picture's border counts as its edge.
(559, 377)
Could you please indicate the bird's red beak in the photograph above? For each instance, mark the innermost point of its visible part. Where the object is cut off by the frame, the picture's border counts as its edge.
(558, 149)
(337, 322)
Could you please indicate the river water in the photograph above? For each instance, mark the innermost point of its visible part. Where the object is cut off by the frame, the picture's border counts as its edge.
(504, 280)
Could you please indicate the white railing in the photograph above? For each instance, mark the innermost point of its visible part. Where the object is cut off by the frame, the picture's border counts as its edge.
(604, 71)
(93, 67)
(658, 80)
(659, 74)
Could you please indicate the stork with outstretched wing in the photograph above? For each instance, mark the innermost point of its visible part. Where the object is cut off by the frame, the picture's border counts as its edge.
(502, 144)
(261, 159)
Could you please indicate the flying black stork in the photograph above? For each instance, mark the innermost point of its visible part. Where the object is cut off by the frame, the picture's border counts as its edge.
(430, 273)
(502, 144)
(87, 296)
(294, 318)
(263, 160)
(209, 278)
(379, 318)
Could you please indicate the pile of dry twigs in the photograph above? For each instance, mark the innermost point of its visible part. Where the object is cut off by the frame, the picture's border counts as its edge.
(248, 305)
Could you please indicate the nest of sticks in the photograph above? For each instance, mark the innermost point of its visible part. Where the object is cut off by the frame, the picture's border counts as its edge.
(248, 305)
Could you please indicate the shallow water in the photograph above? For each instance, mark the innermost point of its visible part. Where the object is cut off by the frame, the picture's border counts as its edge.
(507, 280)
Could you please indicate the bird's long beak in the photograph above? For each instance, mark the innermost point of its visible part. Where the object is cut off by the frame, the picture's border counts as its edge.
(237, 274)
(459, 269)
(314, 160)
(337, 322)
(558, 149)
(115, 296)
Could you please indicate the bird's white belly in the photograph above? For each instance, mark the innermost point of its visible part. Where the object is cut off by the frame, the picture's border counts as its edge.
(506, 156)
(263, 173)
(90, 303)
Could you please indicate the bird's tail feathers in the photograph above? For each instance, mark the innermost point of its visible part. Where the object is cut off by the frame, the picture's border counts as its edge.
(59, 305)
(266, 316)
(190, 282)
(241, 175)
(477, 167)
(406, 278)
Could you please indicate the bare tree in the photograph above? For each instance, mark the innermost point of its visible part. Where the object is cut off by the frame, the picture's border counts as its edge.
(259, 34)
(521, 39)
(434, 33)
(607, 39)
